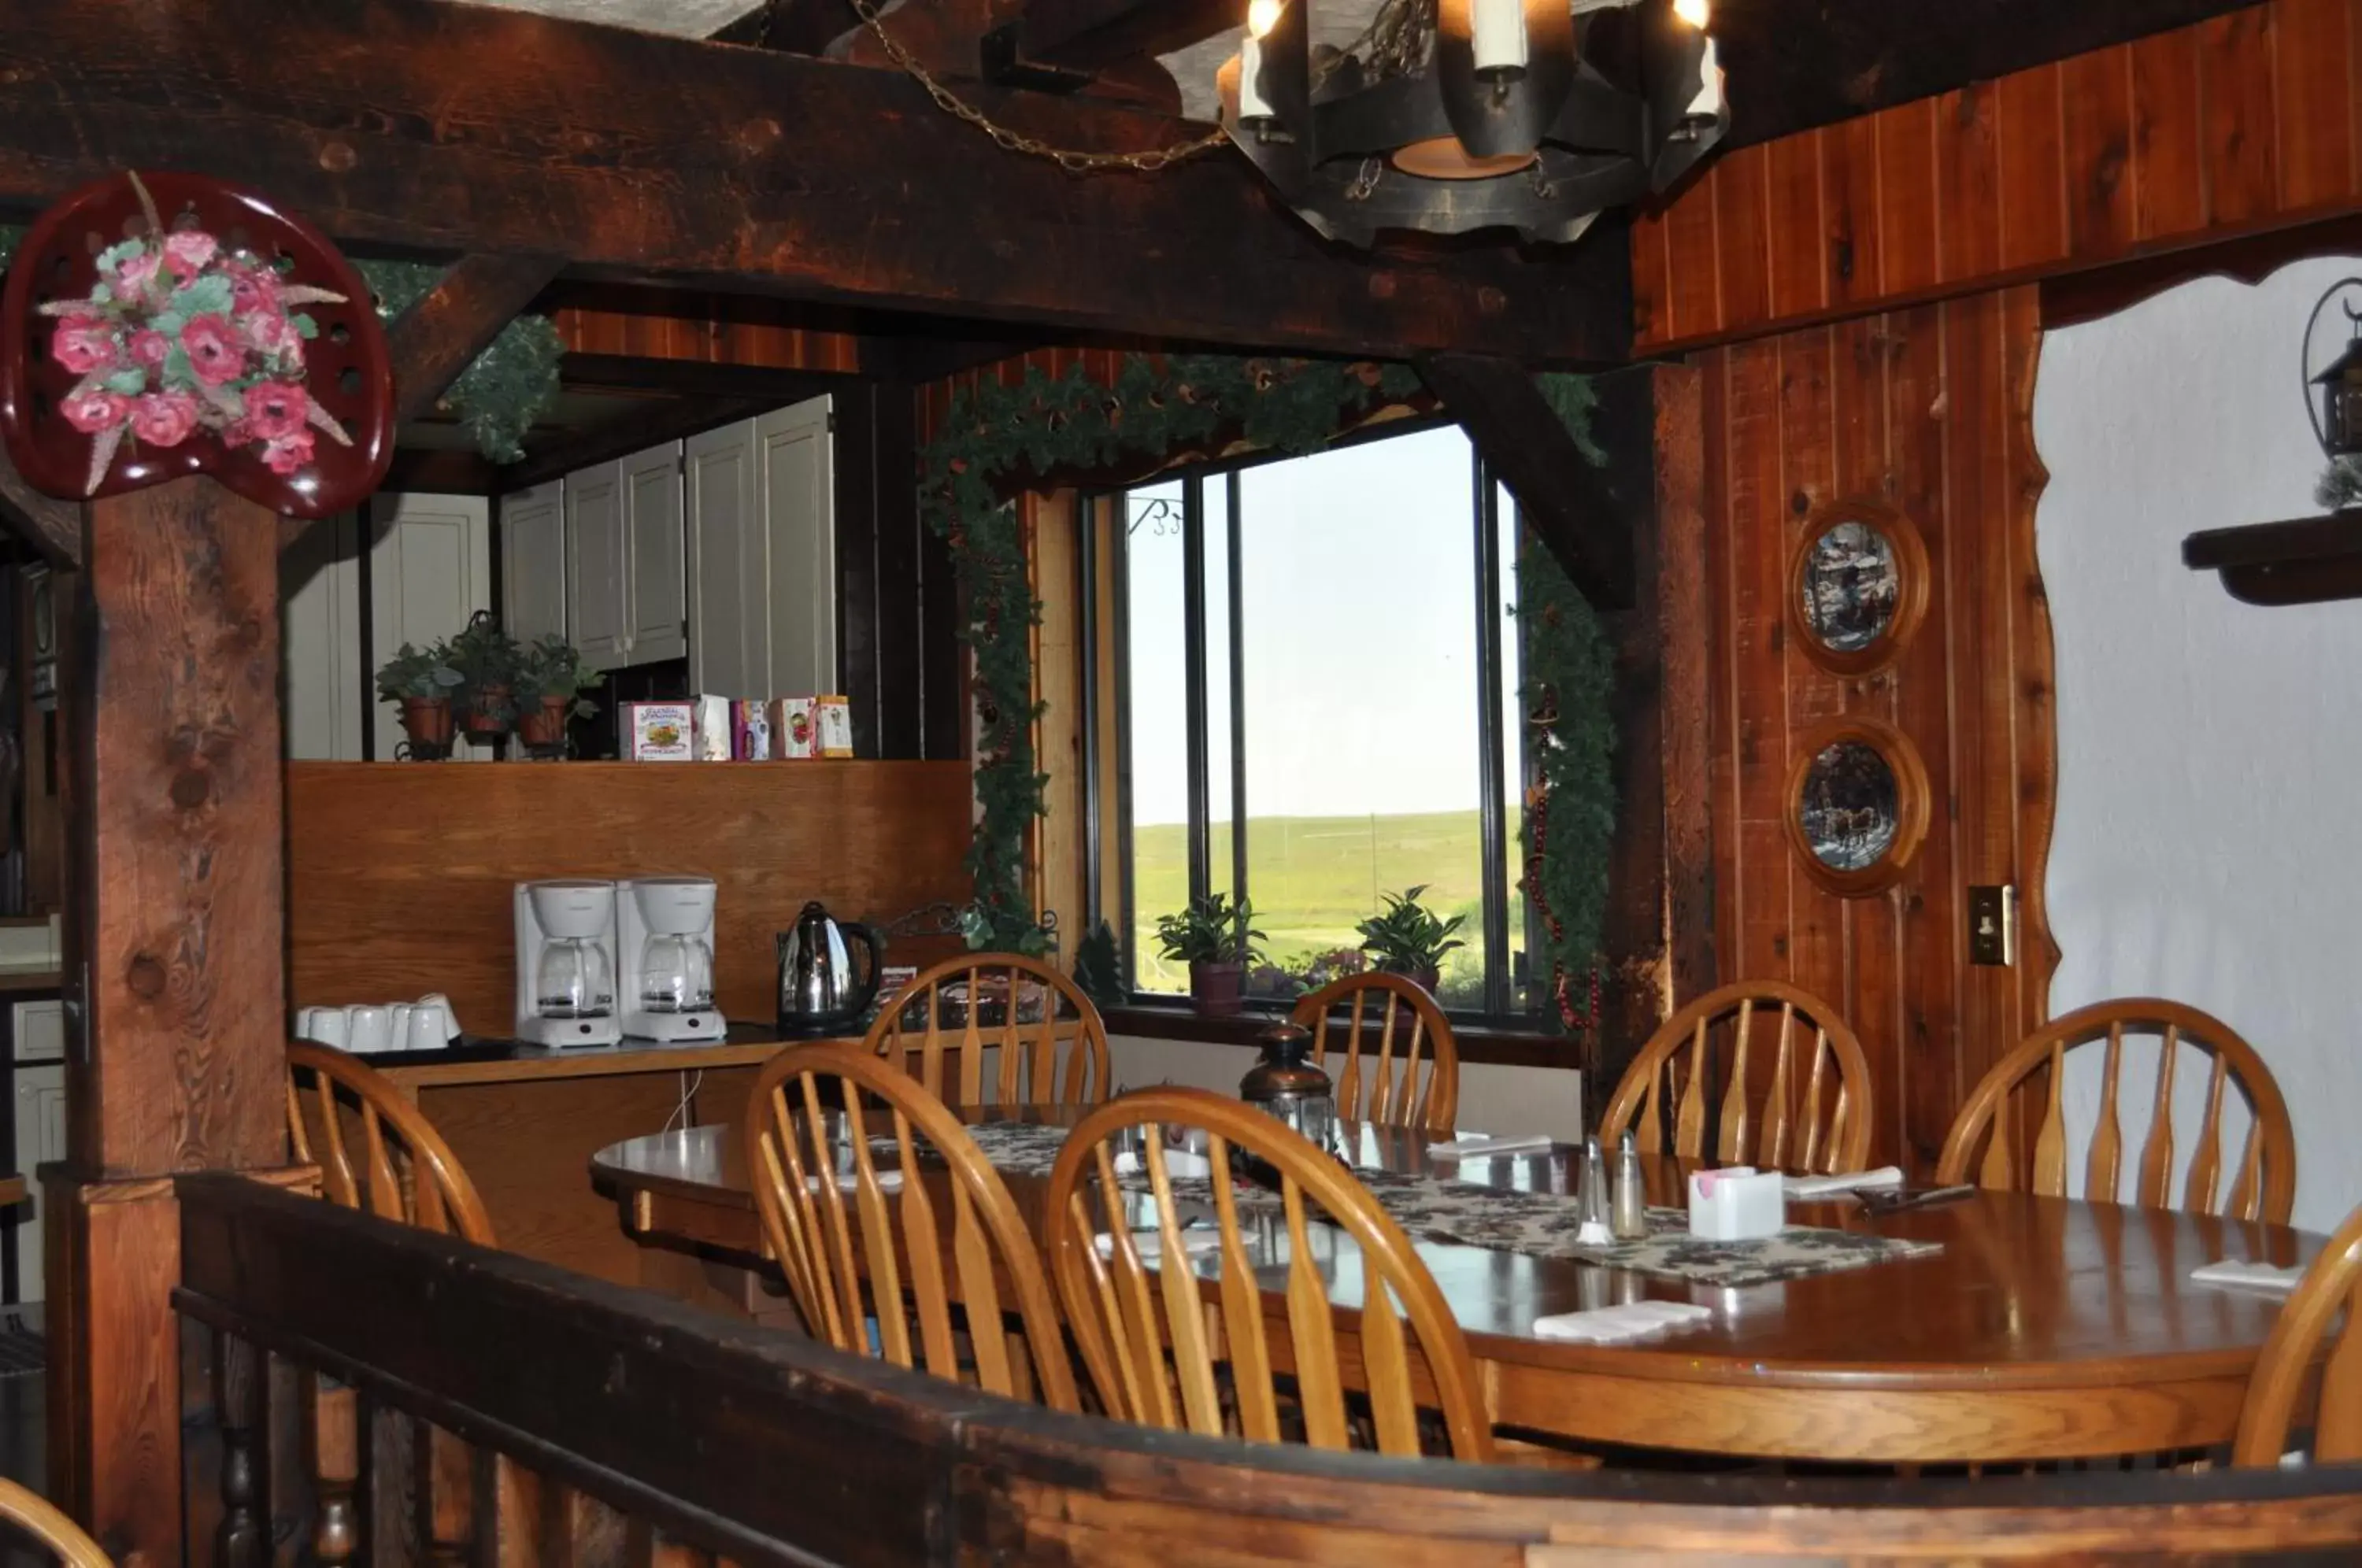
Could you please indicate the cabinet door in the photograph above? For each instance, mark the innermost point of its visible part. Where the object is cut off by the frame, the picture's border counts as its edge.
(329, 695)
(430, 570)
(727, 651)
(799, 584)
(595, 564)
(533, 562)
(659, 578)
(40, 1140)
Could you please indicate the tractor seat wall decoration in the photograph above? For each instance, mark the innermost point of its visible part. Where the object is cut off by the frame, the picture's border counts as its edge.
(163, 325)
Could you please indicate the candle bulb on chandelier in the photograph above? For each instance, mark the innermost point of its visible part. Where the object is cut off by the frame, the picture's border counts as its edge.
(1261, 16)
(1497, 34)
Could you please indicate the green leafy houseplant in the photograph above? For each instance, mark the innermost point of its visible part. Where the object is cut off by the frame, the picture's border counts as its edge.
(1407, 938)
(550, 677)
(420, 682)
(486, 659)
(1218, 940)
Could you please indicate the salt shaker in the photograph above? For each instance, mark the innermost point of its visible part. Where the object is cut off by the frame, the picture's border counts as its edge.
(1592, 1198)
(1631, 1221)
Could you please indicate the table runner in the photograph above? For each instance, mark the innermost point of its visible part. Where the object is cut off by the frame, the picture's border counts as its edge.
(1539, 1224)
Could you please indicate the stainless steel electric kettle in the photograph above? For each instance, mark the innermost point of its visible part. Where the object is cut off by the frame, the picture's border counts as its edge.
(821, 991)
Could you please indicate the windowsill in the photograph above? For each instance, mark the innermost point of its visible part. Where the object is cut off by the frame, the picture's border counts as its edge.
(1481, 1043)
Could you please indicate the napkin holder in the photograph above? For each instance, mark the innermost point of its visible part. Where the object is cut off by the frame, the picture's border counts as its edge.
(1736, 1204)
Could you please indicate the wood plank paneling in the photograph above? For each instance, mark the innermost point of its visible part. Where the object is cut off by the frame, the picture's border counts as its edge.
(703, 334)
(1928, 410)
(400, 873)
(2242, 123)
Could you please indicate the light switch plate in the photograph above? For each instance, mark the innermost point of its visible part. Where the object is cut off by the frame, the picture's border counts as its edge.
(1992, 926)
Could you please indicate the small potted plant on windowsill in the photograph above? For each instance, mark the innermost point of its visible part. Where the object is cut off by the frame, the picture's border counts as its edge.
(486, 658)
(548, 691)
(1407, 938)
(1218, 941)
(420, 681)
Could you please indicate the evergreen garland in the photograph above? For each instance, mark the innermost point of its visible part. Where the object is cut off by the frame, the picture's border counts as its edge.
(994, 433)
(505, 388)
(1569, 824)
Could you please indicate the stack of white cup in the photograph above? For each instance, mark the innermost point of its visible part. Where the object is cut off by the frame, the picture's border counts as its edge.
(426, 1024)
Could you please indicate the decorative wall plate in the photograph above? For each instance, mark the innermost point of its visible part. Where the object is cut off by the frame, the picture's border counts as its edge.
(1857, 805)
(1857, 586)
(235, 308)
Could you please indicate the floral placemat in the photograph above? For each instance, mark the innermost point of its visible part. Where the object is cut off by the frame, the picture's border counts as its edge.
(1538, 1224)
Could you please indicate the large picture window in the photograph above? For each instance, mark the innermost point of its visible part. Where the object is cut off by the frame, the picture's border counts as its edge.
(1316, 671)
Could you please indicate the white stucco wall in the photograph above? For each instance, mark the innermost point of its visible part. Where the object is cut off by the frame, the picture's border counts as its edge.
(2208, 845)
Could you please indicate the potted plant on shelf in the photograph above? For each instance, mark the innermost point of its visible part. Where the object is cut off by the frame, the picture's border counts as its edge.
(1407, 938)
(486, 658)
(421, 680)
(1217, 940)
(548, 691)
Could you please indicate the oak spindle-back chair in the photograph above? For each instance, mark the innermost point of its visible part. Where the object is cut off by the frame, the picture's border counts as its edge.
(1983, 1146)
(852, 1250)
(2331, 1290)
(37, 1517)
(1795, 1089)
(405, 1173)
(1386, 1027)
(1021, 1007)
(1151, 1338)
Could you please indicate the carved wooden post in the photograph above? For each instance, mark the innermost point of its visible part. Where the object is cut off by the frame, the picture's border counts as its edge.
(243, 1539)
(175, 988)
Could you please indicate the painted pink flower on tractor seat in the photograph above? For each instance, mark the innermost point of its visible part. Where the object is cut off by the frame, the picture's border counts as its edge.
(275, 410)
(164, 419)
(288, 455)
(94, 412)
(214, 351)
(252, 289)
(83, 344)
(150, 348)
(137, 275)
(190, 250)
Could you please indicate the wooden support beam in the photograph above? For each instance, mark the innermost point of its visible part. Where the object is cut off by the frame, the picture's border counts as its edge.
(444, 329)
(1586, 522)
(1087, 35)
(176, 991)
(459, 128)
(51, 527)
(1794, 65)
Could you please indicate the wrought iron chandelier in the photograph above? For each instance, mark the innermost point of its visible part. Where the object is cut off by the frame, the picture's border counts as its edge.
(1449, 115)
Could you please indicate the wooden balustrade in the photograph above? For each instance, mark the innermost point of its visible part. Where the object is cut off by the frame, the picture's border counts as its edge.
(585, 1422)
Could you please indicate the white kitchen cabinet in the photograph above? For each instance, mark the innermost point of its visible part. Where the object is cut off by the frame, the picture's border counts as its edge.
(657, 590)
(533, 562)
(597, 601)
(795, 463)
(40, 1125)
(430, 569)
(328, 691)
(728, 653)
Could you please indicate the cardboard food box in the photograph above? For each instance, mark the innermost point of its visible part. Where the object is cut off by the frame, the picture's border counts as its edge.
(835, 728)
(712, 731)
(658, 731)
(751, 731)
(798, 728)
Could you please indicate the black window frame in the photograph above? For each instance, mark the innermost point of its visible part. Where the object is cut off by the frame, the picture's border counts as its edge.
(1503, 901)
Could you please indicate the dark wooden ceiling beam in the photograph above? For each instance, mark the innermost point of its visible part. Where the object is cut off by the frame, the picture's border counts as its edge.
(1563, 498)
(447, 326)
(1795, 64)
(455, 127)
(694, 378)
(1089, 35)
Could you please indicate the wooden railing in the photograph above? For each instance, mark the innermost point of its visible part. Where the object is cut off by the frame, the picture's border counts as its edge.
(501, 1411)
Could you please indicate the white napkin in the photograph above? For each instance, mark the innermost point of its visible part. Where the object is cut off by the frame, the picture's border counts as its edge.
(1851, 1181)
(1477, 1145)
(1177, 1162)
(2249, 1275)
(1150, 1244)
(1633, 1320)
(887, 1181)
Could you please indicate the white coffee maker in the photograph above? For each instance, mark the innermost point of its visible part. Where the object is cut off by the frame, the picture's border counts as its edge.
(667, 949)
(565, 963)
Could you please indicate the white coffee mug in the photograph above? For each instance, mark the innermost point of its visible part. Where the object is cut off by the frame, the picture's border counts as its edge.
(328, 1026)
(368, 1029)
(442, 1004)
(425, 1031)
(304, 1016)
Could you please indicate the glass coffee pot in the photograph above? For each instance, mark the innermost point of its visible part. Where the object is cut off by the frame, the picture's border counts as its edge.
(677, 973)
(574, 979)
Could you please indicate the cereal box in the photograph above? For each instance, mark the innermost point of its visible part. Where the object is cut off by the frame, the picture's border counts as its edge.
(658, 731)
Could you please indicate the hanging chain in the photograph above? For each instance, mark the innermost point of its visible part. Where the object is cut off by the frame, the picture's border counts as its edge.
(1072, 161)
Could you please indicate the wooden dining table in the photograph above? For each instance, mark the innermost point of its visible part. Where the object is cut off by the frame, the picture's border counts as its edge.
(2045, 1328)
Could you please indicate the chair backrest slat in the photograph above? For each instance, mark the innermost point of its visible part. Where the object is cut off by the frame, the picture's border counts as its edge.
(976, 987)
(1140, 1344)
(1401, 1065)
(2263, 1186)
(1812, 1116)
(408, 1174)
(881, 1256)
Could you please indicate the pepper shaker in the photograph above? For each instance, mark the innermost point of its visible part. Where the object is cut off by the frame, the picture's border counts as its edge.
(1592, 1197)
(1631, 1221)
